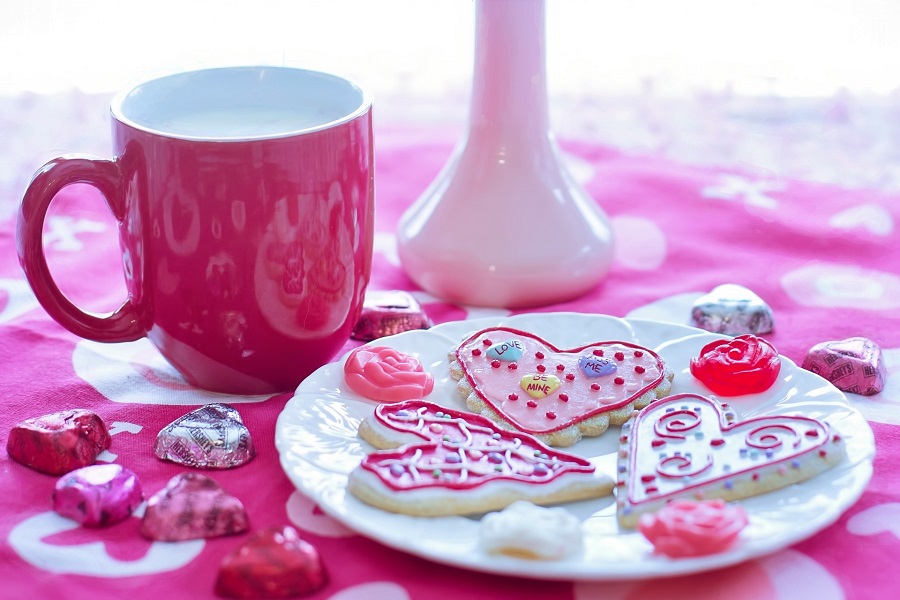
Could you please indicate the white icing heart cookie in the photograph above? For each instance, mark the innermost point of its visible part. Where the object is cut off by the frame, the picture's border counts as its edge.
(688, 446)
(457, 463)
(525, 383)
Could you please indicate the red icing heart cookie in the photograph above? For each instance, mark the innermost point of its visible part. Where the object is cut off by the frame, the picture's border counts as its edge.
(460, 463)
(524, 382)
(687, 446)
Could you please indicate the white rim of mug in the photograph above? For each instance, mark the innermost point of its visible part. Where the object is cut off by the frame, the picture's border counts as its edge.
(365, 106)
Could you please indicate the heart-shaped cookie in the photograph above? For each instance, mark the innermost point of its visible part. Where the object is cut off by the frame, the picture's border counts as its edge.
(688, 446)
(524, 382)
(460, 463)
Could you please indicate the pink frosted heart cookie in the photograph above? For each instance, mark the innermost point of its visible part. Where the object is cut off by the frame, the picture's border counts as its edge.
(459, 463)
(523, 382)
(689, 447)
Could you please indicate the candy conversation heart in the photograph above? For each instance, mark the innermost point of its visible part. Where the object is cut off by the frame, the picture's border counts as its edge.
(446, 462)
(688, 446)
(557, 395)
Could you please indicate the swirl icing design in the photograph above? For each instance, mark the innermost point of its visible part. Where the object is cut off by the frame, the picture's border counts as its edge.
(688, 446)
(387, 375)
(462, 452)
(745, 364)
(546, 389)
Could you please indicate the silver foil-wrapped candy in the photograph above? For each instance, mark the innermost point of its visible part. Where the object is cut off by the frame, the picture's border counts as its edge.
(212, 437)
(733, 310)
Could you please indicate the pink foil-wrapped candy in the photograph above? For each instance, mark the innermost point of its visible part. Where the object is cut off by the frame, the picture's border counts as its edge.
(59, 442)
(212, 437)
(853, 365)
(97, 495)
(387, 313)
(274, 563)
(192, 506)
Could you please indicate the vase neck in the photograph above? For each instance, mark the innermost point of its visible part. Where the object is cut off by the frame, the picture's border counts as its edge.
(509, 87)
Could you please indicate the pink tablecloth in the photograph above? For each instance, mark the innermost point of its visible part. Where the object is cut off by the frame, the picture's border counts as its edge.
(823, 257)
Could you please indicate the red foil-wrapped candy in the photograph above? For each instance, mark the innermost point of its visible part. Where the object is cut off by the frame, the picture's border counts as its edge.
(387, 313)
(59, 442)
(274, 563)
(97, 495)
(192, 506)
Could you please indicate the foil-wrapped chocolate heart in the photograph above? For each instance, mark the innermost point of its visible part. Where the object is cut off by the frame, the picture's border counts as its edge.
(97, 495)
(274, 563)
(212, 437)
(733, 310)
(59, 442)
(854, 365)
(192, 506)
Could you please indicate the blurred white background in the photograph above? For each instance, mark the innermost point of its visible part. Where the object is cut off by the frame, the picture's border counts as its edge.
(793, 47)
(806, 88)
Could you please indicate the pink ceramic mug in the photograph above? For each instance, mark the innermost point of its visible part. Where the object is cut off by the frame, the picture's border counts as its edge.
(244, 198)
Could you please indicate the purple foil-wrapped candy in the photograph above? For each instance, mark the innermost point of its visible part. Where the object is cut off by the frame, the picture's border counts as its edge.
(387, 313)
(97, 495)
(211, 437)
(853, 365)
(192, 506)
(733, 310)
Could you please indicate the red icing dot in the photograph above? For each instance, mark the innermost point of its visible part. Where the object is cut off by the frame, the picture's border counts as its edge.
(657, 443)
(560, 367)
(551, 414)
(639, 369)
(598, 352)
(495, 364)
(487, 342)
(619, 381)
(755, 477)
(513, 366)
(822, 453)
(595, 386)
(620, 355)
(648, 478)
(836, 438)
(638, 353)
(717, 442)
(564, 397)
(531, 404)
(812, 433)
(541, 368)
(652, 489)
(623, 439)
(539, 355)
(476, 352)
(570, 376)
(513, 396)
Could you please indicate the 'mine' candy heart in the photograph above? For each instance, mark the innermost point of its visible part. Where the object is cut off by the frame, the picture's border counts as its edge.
(854, 365)
(733, 310)
(274, 563)
(59, 442)
(97, 495)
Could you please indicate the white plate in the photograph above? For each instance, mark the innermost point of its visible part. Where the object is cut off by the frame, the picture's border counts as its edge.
(317, 441)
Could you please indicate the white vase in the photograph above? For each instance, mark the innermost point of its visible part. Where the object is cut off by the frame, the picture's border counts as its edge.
(504, 224)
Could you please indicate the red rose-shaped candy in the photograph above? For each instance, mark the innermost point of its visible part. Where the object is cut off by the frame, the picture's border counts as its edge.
(733, 367)
(686, 528)
(386, 375)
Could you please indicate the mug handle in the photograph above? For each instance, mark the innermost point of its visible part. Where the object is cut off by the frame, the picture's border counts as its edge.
(124, 324)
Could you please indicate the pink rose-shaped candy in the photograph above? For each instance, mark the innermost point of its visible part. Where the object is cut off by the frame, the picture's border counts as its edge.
(742, 365)
(386, 375)
(686, 528)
